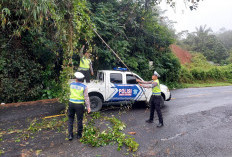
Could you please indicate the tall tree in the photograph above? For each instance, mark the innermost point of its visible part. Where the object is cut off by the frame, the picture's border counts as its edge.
(136, 34)
(226, 38)
(207, 44)
(38, 35)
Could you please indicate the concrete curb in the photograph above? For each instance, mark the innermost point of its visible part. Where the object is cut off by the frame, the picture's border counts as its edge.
(45, 101)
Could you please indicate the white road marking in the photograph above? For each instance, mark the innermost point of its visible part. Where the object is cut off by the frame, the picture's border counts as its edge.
(171, 138)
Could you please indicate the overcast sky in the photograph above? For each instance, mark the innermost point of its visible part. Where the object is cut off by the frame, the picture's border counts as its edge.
(214, 13)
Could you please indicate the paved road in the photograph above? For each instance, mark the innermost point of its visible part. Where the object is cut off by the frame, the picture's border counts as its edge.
(197, 124)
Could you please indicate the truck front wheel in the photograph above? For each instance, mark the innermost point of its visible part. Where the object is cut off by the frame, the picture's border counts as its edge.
(95, 103)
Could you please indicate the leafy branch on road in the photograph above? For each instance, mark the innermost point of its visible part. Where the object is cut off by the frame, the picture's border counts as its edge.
(1, 151)
(35, 126)
(96, 138)
(91, 134)
(47, 124)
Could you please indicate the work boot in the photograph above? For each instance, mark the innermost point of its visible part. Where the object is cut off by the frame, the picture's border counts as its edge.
(149, 121)
(79, 136)
(160, 125)
(70, 137)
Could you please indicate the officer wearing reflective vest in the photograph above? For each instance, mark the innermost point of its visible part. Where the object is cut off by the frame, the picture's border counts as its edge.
(85, 66)
(78, 98)
(155, 98)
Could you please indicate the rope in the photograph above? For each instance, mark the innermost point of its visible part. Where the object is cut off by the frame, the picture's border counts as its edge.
(119, 59)
(111, 50)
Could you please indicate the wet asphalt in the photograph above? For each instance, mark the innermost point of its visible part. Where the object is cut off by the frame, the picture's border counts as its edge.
(197, 123)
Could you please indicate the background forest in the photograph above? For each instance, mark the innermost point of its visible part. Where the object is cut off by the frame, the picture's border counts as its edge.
(40, 43)
(211, 55)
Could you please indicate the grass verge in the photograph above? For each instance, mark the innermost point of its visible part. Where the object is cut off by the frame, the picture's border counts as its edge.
(199, 84)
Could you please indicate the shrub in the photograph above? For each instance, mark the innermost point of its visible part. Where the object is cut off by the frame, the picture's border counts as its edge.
(185, 75)
(202, 70)
(20, 77)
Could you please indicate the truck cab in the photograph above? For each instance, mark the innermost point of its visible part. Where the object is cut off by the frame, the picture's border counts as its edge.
(119, 86)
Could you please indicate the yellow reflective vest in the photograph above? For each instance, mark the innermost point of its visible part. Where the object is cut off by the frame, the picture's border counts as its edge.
(156, 90)
(77, 93)
(84, 63)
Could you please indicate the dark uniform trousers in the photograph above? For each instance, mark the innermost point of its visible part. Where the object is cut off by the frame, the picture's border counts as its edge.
(77, 109)
(86, 73)
(155, 105)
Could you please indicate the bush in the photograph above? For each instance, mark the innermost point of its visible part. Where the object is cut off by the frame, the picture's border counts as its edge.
(227, 71)
(20, 77)
(198, 74)
(201, 70)
(169, 68)
(215, 73)
(29, 71)
(185, 75)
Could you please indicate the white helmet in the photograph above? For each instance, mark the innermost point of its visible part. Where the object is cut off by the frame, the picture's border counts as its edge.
(156, 74)
(79, 75)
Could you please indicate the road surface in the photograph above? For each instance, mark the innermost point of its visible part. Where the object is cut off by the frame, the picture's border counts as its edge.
(197, 123)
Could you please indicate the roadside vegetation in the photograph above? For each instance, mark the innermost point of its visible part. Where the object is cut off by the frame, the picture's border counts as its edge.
(40, 43)
(205, 84)
(211, 58)
(201, 71)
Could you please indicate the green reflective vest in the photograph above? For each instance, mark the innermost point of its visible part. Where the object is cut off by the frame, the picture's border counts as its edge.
(84, 63)
(156, 90)
(77, 93)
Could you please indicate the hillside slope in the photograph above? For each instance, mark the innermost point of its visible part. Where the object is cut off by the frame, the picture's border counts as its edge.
(183, 55)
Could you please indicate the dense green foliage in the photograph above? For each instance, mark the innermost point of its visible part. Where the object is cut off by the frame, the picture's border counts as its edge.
(201, 70)
(207, 44)
(226, 38)
(229, 60)
(28, 70)
(210, 47)
(39, 42)
(137, 37)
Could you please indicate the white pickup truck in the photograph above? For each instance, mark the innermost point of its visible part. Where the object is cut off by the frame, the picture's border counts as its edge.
(120, 86)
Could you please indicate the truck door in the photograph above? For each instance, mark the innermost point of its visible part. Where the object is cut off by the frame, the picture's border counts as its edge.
(115, 87)
(133, 86)
(124, 91)
(102, 83)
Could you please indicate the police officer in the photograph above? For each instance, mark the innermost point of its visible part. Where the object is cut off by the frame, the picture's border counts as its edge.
(78, 97)
(155, 98)
(85, 66)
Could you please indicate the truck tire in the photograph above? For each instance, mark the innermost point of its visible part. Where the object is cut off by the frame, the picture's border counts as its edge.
(95, 103)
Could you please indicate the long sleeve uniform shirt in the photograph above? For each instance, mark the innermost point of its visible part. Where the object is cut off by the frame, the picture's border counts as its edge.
(87, 102)
(148, 84)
